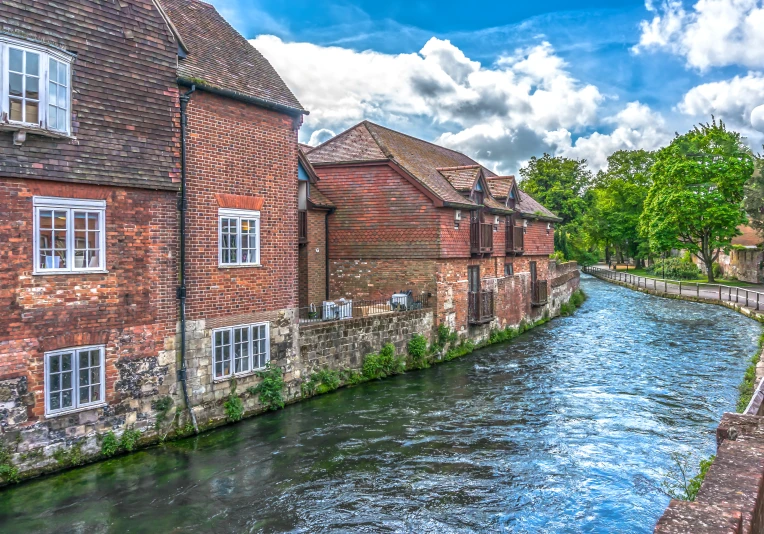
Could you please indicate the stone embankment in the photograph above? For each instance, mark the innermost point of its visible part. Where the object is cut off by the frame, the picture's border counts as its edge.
(731, 498)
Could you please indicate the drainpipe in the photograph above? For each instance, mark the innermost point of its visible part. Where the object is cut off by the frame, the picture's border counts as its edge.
(182, 207)
(326, 251)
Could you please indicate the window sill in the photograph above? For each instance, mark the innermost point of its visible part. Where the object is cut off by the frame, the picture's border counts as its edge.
(34, 130)
(242, 266)
(49, 273)
(253, 372)
(77, 410)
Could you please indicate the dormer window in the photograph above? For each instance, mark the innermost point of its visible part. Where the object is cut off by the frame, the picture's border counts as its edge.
(35, 86)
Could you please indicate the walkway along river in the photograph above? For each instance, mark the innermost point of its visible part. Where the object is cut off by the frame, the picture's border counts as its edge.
(553, 432)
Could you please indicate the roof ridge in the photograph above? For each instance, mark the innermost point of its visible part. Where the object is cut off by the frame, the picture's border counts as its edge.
(459, 168)
(345, 132)
(421, 140)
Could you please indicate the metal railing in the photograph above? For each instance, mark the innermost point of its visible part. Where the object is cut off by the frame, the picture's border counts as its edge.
(338, 310)
(515, 240)
(302, 225)
(480, 306)
(481, 238)
(737, 295)
(539, 293)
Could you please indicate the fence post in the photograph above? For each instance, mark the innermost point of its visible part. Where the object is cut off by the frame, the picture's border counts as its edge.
(680, 287)
(720, 292)
(737, 295)
(697, 289)
(665, 286)
(757, 301)
(746, 297)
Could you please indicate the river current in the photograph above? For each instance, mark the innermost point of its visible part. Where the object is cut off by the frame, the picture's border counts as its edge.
(567, 428)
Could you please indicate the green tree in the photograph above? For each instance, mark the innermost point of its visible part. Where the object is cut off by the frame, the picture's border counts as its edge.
(618, 197)
(558, 184)
(754, 197)
(696, 200)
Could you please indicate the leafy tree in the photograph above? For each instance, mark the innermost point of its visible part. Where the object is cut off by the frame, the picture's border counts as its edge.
(558, 183)
(696, 198)
(754, 197)
(617, 202)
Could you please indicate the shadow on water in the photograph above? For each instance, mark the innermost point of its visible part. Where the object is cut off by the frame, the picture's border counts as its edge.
(549, 433)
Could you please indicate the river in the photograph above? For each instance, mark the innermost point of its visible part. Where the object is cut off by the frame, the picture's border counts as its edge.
(561, 430)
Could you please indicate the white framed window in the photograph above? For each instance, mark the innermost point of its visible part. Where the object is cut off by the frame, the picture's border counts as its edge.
(35, 85)
(238, 237)
(238, 350)
(74, 379)
(69, 235)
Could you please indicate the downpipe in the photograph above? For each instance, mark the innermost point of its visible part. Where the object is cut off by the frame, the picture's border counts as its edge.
(181, 295)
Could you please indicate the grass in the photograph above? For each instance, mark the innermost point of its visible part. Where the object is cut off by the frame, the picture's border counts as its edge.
(702, 280)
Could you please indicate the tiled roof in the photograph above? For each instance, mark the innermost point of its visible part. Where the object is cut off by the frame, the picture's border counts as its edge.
(750, 237)
(220, 58)
(500, 186)
(528, 206)
(305, 148)
(318, 199)
(462, 178)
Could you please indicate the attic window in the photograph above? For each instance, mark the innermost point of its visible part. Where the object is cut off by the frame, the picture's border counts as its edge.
(36, 86)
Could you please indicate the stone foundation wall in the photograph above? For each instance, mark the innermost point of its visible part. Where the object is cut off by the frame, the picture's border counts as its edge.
(745, 265)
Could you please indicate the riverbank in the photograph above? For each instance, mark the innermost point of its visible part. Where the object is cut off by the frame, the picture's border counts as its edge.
(730, 497)
(555, 431)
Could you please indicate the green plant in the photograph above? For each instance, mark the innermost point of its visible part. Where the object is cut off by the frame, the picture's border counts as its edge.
(321, 382)
(234, 408)
(353, 378)
(578, 298)
(676, 483)
(417, 349)
(70, 457)
(271, 388)
(557, 256)
(566, 309)
(746, 386)
(383, 364)
(109, 444)
(129, 439)
(162, 407)
(717, 269)
(697, 480)
(462, 349)
(445, 335)
(674, 268)
(8, 470)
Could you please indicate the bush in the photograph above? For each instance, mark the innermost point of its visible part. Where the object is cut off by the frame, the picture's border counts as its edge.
(578, 298)
(271, 388)
(110, 444)
(557, 256)
(383, 364)
(716, 269)
(417, 349)
(129, 439)
(321, 382)
(675, 268)
(697, 480)
(445, 335)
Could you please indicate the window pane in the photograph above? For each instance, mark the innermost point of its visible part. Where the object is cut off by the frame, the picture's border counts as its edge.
(32, 113)
(16, 85)
(52, 114)
(62, 71)
(60, 219)
(55, 401)
(84, 377)
(55, 363)
(33, 64)
(66, 399)
(33, 88)
(66, 362)
(16, 111)
(92, 221)
(16, 60)
(62, 97)
(66, 379)
(84, 395)
(95, 393)
(61, 122)
(80, 221)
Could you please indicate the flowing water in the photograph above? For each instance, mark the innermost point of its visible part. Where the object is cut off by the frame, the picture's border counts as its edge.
(565, 429)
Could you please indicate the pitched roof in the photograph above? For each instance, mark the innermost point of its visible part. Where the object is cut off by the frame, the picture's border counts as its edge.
(305, 148)
(527, 205)
(500, 185)
(462, 178)
(219, 58)
(749, 237)
(318, 199)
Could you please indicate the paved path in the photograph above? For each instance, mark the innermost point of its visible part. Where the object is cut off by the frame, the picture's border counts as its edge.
(751, 298)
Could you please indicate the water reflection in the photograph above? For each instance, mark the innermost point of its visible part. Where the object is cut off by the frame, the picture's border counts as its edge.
(550, 433)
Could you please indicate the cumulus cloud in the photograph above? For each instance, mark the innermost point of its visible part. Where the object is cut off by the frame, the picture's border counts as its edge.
(711, 33)
(731, 100)
(524, 104)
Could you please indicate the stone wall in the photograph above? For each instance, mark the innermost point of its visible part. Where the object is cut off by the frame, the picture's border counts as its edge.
(745, 265)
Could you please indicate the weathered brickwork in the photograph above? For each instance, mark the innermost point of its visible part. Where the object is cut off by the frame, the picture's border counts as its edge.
(124, 100)
(380, 278)
(313, 261)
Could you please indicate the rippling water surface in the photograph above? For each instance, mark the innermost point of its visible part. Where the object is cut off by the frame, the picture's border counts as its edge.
(552, 432)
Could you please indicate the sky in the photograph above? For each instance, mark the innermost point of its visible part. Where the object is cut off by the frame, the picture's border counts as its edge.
(505, 81)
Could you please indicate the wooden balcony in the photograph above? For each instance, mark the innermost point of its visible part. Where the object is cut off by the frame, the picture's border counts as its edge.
(539, 294)
(481, 238)
(302, 225)
(515, 240)
(480, 308)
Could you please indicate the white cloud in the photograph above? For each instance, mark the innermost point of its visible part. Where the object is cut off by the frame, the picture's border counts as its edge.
(731, 100)
(712, 33)
(524, 104)
(757, 118)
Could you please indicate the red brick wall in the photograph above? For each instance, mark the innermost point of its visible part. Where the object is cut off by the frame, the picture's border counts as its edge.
(313, 261)
(537, 240)
(380, 278)
(131, 308)
(379, 214)
(124, 98)
(240, 149)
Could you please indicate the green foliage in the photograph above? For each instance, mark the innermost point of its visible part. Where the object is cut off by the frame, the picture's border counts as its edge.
(566, 309)
(162, 407)
(746, 388)
(70, 457)
(234, 408)
(753, 202)
(675, 269)
(353, 378)
(109, 444)
(557, 256)
(676, 483)
(695, 202)
(558, 184)
(462, 349)
(271, 388)
(697, 480)
(417, 349)
(321, 382)
(129, 439)
(577, 298)
(445, 335)
(383, 364)
(8, 470)
(717, 269)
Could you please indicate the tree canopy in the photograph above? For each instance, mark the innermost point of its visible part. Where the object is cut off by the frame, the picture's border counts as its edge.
(558, 183)
(695, 202)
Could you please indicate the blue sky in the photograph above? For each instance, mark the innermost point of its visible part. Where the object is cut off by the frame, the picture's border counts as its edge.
(504, 81)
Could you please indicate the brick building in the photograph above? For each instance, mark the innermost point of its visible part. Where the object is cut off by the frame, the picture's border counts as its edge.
(241, 219)
(411, 215)
(88, 184)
